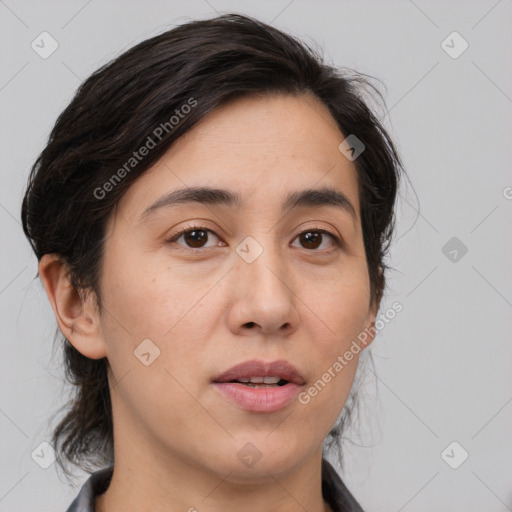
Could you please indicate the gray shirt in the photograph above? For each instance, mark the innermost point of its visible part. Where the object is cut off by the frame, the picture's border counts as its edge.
(334, 491)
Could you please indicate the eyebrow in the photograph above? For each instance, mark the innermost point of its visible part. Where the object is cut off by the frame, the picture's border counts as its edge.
(325, 196)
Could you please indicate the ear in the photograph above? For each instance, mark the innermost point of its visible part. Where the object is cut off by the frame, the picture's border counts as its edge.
(77, 317)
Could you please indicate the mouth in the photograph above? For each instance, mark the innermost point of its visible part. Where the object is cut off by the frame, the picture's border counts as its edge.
(261, 382)
(258, 386)
(261, 373)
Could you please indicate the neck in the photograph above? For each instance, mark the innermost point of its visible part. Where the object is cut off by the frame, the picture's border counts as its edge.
(166, 487)
(152, 474)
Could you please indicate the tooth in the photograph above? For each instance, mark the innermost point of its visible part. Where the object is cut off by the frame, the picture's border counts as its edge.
(250, 384)
(260, 380)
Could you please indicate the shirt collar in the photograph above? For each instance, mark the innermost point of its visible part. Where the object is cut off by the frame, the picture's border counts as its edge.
(334, 491)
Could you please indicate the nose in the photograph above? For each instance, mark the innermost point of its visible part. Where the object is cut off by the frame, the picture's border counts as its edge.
(264, 296)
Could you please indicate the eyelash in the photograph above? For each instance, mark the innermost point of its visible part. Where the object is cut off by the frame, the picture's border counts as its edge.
(188, 229)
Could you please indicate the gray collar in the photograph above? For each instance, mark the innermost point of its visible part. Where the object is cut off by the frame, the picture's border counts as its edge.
(334, 491)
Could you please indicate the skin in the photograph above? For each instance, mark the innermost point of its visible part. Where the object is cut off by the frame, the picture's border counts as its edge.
(176, 437)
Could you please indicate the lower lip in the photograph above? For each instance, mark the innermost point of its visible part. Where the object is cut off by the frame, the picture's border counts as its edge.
(259, 399)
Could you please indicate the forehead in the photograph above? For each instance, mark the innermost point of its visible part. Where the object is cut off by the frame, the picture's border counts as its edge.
(262, 147)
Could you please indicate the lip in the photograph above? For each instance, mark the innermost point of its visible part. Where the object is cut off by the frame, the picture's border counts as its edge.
(263, 399)
(259, 400)
(258, 368)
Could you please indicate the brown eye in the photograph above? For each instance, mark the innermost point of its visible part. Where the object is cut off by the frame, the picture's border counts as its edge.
(313, 239)
(195, 238)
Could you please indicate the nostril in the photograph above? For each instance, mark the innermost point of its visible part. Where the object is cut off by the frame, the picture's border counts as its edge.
(249, 324)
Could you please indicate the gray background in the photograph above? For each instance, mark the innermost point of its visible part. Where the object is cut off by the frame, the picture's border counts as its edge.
(443, 364)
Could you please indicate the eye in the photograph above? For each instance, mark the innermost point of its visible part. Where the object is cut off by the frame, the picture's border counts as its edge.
(313, 238)
(195, 237)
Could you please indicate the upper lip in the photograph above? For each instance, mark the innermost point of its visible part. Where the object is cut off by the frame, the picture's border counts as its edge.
(258, 368)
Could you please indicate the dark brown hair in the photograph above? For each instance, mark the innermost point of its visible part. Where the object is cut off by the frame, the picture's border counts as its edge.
(114, 112)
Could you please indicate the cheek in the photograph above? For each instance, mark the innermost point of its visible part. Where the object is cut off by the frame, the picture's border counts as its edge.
(146, 302)
(158, 303)
(322, 400)
(148, 297)
(341, 307)
(335, 313)
(155, 400)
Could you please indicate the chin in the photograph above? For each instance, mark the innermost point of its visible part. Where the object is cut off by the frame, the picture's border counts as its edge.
(257, 458)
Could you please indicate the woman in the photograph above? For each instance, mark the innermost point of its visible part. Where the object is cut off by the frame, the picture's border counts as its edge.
(210, 217)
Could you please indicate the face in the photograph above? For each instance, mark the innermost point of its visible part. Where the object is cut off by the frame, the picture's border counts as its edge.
(245, 281)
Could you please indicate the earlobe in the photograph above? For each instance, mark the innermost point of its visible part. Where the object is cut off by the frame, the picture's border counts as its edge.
(76, 316)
